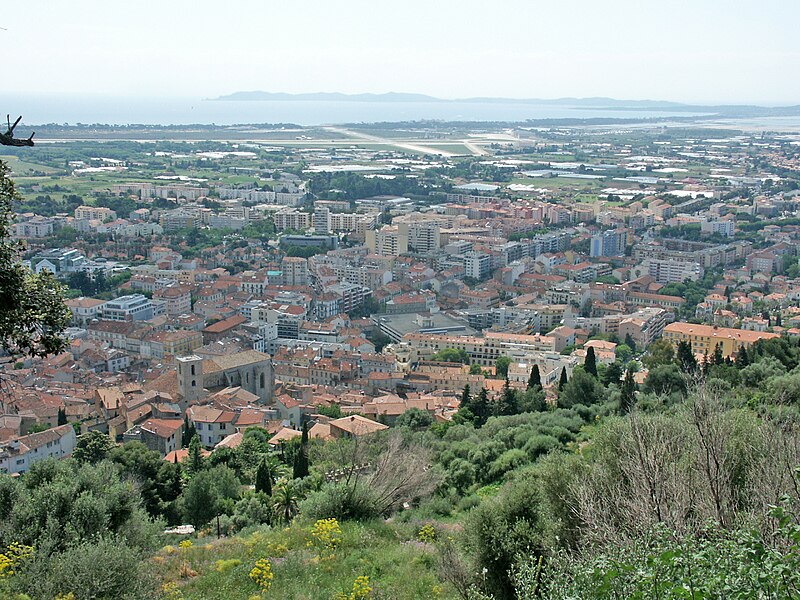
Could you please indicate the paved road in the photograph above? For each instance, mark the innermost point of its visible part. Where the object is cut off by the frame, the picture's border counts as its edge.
(475, 149)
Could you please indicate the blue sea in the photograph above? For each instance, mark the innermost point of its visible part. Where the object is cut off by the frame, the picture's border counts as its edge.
(88, 110)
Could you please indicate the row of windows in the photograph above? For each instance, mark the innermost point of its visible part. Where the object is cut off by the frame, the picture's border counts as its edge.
(210, 427)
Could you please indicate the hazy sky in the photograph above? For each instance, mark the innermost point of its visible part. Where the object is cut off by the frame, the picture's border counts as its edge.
(685, 50)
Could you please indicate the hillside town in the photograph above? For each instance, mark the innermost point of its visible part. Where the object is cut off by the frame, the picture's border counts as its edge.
(219, 306)
(408, 301)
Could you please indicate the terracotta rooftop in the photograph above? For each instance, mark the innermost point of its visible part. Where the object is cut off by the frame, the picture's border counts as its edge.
(743, 335)
(163, 428)
(225, 324)
(284, 435)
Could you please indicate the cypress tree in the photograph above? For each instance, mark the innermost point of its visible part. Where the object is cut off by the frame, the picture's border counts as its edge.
(563, 379)
(719, 359)
(742, 359)
(535, 380)
(590, 362)
(189, 432)
(300, 466)
(195, 455)
(304, 436)
(685, 357)
(628, 393)
(629, 342)
(62, 416)
(466, 399)
(480, 408)
(507, 404)
(263, 482)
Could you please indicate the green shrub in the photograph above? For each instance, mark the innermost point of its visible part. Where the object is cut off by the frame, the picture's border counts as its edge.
(225, 565)
(503, 528)
(538, 445)
(340, 501)
(467, 503)
(104, 569)
(508, 461)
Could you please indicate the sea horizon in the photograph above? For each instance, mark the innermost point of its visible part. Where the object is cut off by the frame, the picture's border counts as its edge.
(43, 109)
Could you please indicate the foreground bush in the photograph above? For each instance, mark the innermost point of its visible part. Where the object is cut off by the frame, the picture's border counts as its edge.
(735, 565)
(106, 569)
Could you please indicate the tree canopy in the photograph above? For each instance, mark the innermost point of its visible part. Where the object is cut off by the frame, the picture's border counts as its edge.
(32, 311)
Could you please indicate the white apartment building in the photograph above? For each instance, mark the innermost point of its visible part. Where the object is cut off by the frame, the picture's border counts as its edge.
(372, 278)
(294, 270)
(35, 227)
(725, 227)
(212, 424)
(85, 309)
(133, 307)
(670, 271)
(99, 213)
(477, 265)
(351, 295)
(292, 219)
(17, 455)
(322, 220)
(422, 236)
(387, 241)
(360, 223)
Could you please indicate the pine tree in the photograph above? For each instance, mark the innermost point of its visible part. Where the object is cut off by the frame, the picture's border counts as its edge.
(590, 362)
(62, 416)
(535, 380)
(263, 482)
(300, 466)
(195, 458)
(563, 379)
(627, 393)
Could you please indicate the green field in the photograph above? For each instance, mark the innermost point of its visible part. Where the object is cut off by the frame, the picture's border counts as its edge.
(399, 567)
(22, 168)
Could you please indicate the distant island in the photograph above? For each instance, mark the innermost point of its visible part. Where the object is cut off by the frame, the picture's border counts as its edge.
(328, 97)
(597, 102)
(724, 110)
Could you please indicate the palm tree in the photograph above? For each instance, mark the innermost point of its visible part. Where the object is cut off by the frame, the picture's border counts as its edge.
(285, 506)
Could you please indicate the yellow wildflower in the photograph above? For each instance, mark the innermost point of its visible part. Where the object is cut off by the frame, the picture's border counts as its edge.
(262, 574)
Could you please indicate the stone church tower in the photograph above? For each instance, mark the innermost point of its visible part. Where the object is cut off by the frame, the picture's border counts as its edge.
(190, 378)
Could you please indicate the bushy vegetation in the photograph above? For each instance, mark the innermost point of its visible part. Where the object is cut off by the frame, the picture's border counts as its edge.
(385, 559)
(686, 488)
(591, 495)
